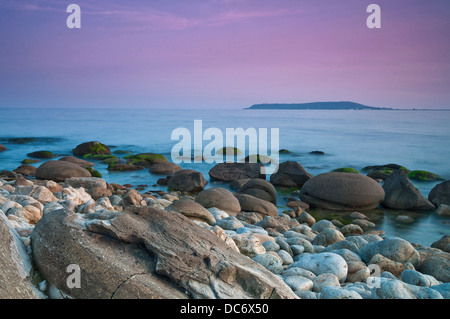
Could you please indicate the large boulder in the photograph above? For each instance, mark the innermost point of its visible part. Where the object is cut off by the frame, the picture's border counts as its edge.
(252, 204)
(220, 198)
(261, 189)
(402, 194)
(15, 265)
(2, 148)
(93, 148)
(290, 174)
(342, 191)
(187, 180)
(440, 194)
(59, 171)
(228, 172)
(192, 210)
(76, 160)
(148, 253)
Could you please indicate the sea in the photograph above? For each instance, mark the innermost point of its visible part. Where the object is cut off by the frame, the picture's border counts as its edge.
(415, 139)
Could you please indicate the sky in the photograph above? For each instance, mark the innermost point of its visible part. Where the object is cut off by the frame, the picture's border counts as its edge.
(224, 53)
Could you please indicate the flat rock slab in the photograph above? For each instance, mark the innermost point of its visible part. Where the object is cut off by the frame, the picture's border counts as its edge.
(147, 253)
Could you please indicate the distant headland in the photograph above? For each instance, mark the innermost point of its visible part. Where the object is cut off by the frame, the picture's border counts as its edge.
(344, 105)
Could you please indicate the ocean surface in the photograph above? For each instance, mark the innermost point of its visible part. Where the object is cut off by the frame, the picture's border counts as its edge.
(417, 140)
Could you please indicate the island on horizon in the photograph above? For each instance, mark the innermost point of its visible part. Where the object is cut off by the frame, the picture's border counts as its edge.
(343, 105)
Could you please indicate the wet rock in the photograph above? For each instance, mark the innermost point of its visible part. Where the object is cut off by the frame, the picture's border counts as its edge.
(228, 172)
(94, 148)
(166, 168)
(290, 174)
(187, 180)
(402, 194)
(440, 194)
(59, 171)
(26, 170)
(75, 160)
(342, 191)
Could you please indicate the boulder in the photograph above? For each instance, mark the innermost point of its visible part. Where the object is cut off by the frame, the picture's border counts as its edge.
(395, 289)
(220, 198)
(402, 194)
(41, 154)
(15, 265)
(228, 172)
(437, 265)
(131, 198)
(342, 191)
(2, 148)
(441, 243)
(270, 262)
(187, 180)
(25, 169)
(145, 159)
(165, 168)
(261, 189)
(192, 210)
(150, 253)
(76, 160)
(443, 210)
(290, 174)
(94, 148)
(322, 263)
(299, 283)
(252, 204)
(393, 248)
(59, 171)
(440, 194)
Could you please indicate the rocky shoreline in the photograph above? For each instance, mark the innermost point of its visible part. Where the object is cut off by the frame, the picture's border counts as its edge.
(192, 242)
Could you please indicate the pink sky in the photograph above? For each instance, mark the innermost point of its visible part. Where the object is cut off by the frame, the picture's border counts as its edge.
(227, 54)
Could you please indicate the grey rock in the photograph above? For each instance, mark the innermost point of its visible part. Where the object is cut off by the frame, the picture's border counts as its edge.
(299, 283)
(402, 194)
(393, 248)
(323, 263)
(395, 289)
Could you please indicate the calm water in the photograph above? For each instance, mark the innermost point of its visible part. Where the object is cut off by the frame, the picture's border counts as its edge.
(418, 140)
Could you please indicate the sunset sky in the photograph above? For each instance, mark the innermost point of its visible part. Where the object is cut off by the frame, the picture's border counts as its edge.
(224, 53)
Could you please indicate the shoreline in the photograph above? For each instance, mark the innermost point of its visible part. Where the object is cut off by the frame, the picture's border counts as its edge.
(289, 251)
